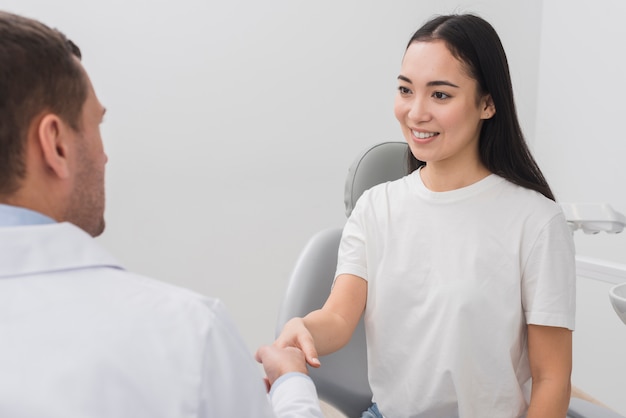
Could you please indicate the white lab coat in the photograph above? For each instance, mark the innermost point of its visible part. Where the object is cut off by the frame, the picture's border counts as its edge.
(81, 337)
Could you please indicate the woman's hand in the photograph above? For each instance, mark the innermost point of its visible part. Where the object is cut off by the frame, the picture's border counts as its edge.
(296, 334)
(326, 330)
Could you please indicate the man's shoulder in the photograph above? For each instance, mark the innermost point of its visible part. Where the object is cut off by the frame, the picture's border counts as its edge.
(149, 293)
(66, 262)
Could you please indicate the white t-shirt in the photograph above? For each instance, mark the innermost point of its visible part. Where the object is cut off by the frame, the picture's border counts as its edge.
(453, 280)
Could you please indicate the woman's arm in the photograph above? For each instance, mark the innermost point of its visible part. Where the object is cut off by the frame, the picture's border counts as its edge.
(550, 357)
(328, 329)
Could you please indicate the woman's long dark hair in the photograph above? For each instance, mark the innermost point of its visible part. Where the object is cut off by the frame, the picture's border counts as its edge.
(502, 147)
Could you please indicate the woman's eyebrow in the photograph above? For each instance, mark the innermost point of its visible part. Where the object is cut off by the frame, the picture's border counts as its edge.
(441, 83)
(430, 83)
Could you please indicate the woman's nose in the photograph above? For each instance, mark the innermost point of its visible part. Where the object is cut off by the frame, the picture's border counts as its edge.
(419, 110)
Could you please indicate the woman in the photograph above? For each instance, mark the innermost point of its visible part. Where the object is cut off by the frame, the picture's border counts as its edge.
(464, 269)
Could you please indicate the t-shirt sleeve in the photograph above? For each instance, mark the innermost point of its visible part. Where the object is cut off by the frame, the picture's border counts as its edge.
(352, 255)
(549, 277)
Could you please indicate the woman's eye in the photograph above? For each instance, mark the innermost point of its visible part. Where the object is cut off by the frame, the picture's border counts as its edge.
(440, 95)
(404, 90)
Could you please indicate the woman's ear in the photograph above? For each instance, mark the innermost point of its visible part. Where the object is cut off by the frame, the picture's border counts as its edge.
(53, 137)
(488, 107)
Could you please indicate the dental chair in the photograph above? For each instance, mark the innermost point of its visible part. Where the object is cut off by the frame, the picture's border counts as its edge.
(342, 381)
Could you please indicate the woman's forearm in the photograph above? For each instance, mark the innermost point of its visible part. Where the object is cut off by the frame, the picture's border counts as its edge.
(549, 399)
(330, 330)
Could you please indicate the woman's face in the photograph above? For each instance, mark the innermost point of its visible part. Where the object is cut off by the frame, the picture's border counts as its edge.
(439, 107)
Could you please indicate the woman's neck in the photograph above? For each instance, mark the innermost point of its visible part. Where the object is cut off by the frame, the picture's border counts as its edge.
(440, 178)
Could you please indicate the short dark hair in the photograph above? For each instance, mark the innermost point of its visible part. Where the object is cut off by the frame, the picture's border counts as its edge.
(502, 147)
(38, 73)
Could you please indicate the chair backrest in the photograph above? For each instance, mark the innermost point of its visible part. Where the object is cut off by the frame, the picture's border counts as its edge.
(341, 381)
(377, 164)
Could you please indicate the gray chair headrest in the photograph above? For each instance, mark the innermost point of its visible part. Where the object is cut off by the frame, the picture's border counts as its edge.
(380, 163)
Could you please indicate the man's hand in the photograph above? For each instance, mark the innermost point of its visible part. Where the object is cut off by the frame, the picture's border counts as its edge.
(279, 361)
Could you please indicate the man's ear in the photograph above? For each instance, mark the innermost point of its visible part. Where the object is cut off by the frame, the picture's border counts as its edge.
(53, 138)
(489, 108)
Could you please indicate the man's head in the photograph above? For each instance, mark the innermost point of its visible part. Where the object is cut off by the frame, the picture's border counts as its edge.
(51, 156)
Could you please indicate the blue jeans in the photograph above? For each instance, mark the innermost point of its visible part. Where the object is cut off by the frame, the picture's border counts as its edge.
(372, 412)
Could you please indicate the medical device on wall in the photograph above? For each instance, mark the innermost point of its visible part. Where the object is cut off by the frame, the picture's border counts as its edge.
(617, 295)
(592, 218)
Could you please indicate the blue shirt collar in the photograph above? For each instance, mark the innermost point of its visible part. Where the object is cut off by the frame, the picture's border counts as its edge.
(16, 216)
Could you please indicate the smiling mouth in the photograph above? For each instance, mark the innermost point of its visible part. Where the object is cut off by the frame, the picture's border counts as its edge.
(424, 135)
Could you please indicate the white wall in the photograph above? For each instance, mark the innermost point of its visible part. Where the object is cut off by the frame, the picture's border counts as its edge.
(580, 146)
(580, 110)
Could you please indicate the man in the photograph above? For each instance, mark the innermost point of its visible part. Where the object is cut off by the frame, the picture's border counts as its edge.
(80, 336)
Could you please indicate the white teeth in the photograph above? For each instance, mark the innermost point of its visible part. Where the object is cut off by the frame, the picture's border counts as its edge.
(424, 135)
